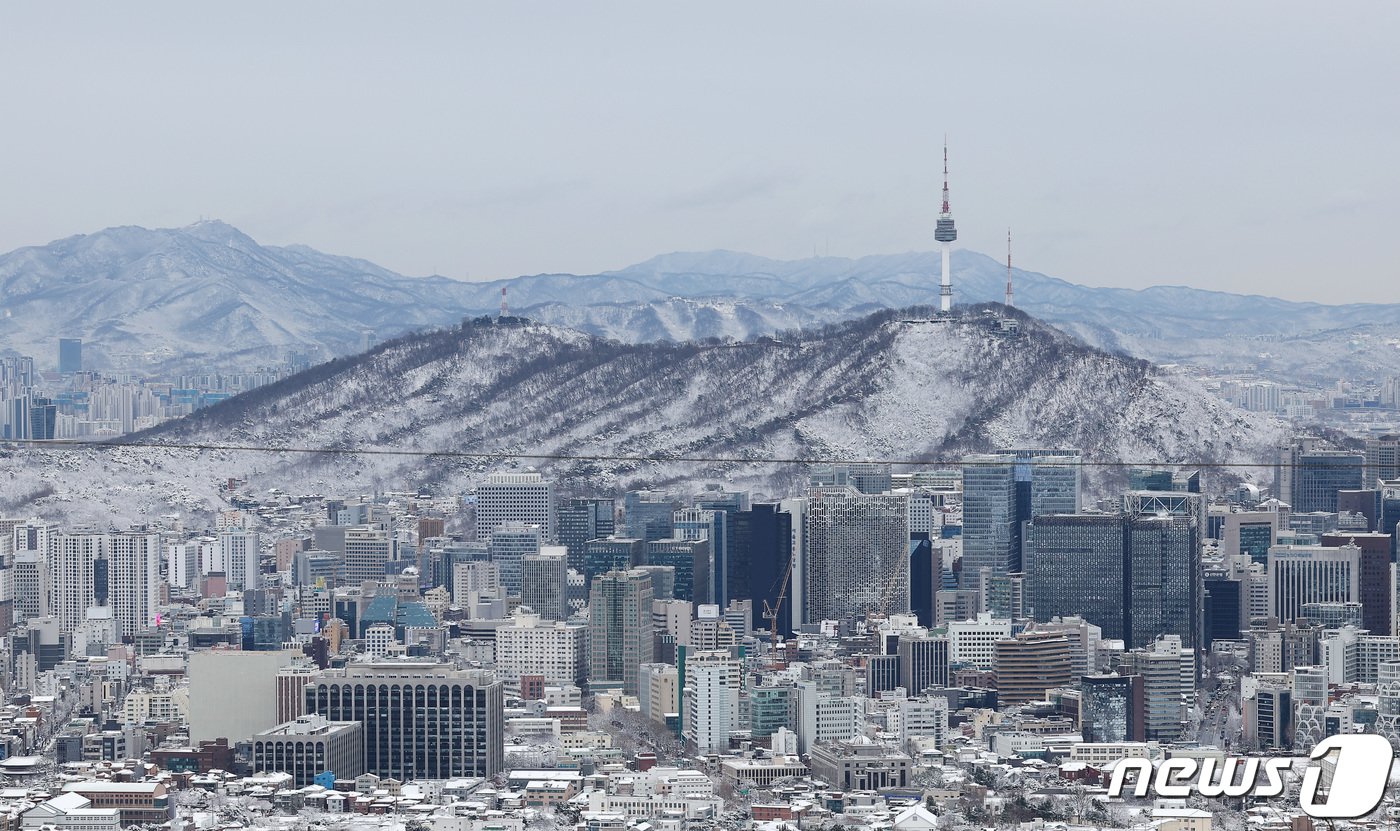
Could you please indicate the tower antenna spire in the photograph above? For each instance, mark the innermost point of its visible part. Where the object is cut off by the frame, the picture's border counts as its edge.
(505, 310)
(1010, 298)
(946, 210)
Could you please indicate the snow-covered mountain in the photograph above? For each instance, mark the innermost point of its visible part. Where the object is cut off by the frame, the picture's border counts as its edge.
(602, 415)
(209, 294)
(206, 290)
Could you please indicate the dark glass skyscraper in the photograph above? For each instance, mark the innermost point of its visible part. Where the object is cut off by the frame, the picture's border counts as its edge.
(1224, 611)
(581, 520)
(1320, 474)
(70, 355)
(1112, 708)
(611, 554)
(1077, 564)
(1001, 492)
(1165, 579)
(759, 559)
(646, 515)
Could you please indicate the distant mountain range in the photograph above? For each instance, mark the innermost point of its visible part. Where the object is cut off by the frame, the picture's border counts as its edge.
(209, 294)
(607, 415)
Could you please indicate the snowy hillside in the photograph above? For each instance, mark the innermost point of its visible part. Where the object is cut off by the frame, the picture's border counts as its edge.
(876, 388)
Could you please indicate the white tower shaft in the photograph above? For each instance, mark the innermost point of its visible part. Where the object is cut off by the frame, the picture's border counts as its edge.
(945, 289)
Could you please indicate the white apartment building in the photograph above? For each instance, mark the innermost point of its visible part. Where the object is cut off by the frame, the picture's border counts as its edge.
(182, 564)
(238, 552)
(923, 718)
(711, 695)
(973, 642)
(530, 645)
(133, 579)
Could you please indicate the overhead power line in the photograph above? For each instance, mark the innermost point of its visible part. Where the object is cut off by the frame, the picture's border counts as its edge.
(506, 455)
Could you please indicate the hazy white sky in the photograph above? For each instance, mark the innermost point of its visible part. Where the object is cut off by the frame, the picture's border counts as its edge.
(1241, 146)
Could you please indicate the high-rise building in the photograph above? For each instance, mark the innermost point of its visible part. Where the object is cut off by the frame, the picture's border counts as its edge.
(232, 692)
(1005, 489)
(1353, 505)
(475, 578)
(1078, 564)
(1029, 664)
(34, 535)
(1164, 479)
(856, 558)
(182, 564)
(78, 575)
(691, 560)
(1225, 610)
(43, 419)
(1376, 597)
(291, 684)
(647, 515)
(134, 580)
(554, 650)
(713, 528)
(308, 747)
(1268, 717)
(1390, 515)
(368, 552)
(612, 554)
(732, 565)
(70, 355)
(1319, 474)
(759, 559)
(238, 550)
(515, 497)
(581, 520)
(510, 543)
(544, 583)
(923, 662)
(866, 477)
(991, 538)
(713, 682)
(1168, 680)
(1112, 708)
(619, 631)
(1285, 470)
(1301, 574)
(1249, 532)
(972, 643)
(32, 585)
(1004, 595)
(1382, 459)
(421, 720)
(1165, 580)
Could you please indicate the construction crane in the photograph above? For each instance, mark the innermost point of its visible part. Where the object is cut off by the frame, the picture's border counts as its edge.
(770, 613)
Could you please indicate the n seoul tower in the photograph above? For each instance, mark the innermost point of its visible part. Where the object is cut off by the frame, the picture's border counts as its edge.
(945, 233)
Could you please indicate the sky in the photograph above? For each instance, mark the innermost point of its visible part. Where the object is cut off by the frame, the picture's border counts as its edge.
(1247, 147)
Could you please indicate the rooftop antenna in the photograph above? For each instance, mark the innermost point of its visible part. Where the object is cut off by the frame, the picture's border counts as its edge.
(1010, 298)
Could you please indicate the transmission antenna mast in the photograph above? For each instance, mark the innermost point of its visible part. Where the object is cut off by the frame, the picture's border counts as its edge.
(1010, 298)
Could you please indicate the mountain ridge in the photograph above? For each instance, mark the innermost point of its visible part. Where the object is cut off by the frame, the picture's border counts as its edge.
(209, 294)
(600, 416)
